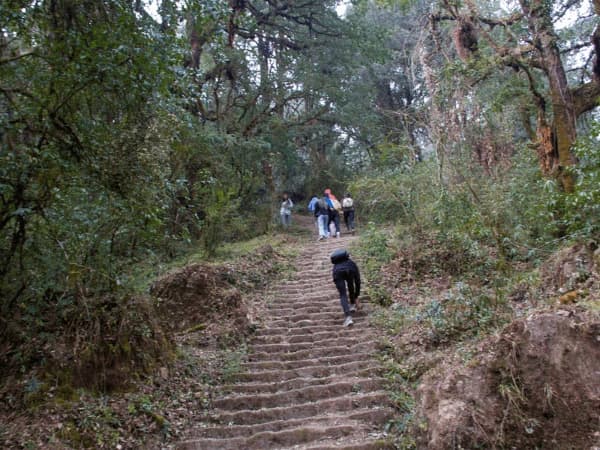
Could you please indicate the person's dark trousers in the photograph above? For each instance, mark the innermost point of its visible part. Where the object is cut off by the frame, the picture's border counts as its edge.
(335, 218)
(349, 220)
(340, 284)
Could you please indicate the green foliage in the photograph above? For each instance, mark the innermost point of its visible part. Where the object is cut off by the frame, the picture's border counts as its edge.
(401, 392)
(381, 198)
(81, 164)
(462, 310)
(511, 210)
(582, 208)
(374, 252)
(232, 364)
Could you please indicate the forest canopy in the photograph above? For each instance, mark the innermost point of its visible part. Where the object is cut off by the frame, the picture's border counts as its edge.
(131, 134)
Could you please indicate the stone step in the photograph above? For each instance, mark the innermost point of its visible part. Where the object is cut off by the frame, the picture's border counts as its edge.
(298, 300)
(372, 415)
(322, 371)
(301, 291)
(299, 318)
(335, 326)
(270, 439)
(305, 363)
(315, 352)
(275, 336)
(308, 382)
(297, 383)
(350, 443)
(345, 403)
(300, 297)
(303, 307)
(295, 396)
(329, 304)
(285, 348)
(329, 320)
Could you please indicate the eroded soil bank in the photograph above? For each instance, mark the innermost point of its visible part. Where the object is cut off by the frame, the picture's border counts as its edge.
(516, 366)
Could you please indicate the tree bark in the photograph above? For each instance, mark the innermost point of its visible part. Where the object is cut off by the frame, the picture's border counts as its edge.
(563, 132)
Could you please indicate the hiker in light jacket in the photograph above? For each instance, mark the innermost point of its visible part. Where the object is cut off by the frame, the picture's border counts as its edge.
(334, 213)
(286, 211)
(348, 208)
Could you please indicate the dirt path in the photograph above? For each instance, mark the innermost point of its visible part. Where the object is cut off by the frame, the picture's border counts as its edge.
(308, 383)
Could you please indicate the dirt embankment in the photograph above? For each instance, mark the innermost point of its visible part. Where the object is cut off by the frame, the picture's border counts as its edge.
(208, 298)
(519, 369)
(536, 385)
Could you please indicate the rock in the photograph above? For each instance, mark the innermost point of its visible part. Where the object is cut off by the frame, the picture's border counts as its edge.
(164, 373)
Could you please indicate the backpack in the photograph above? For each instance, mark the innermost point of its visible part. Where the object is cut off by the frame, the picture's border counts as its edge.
(340, 255)
(347, 202)
(336, 205)
(323, 206)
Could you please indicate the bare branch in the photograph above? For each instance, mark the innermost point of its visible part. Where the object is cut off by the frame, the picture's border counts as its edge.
(586, 97)
(16, 57)
(574, 47)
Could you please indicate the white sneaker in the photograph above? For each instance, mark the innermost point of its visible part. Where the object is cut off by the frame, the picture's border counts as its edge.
(348, 321)
(352, 308)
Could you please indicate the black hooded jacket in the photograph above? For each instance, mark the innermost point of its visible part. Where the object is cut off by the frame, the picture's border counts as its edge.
(348, 271)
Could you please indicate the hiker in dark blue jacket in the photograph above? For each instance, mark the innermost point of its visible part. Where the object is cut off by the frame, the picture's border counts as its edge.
(345, 272)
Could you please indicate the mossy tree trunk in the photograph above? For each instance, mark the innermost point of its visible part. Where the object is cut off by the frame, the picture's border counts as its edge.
(526, 41)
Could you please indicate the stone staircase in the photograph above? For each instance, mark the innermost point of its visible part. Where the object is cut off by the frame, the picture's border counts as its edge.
(308, 382)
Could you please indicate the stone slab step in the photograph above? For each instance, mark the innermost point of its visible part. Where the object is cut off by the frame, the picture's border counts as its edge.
(312, 329)
(298, 303)
(368, 443)
(268, 439)
(330, 320)
(285, 347)
(278, 310)
(305, 363)
(296, 396)
(301, 291)
(297, 319)
(297, 383)
(369, 415)
(345, 403)
(306, 372)
(263, 336)
(315, 351)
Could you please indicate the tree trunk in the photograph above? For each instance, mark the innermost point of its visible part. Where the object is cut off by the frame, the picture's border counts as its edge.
(563, 131)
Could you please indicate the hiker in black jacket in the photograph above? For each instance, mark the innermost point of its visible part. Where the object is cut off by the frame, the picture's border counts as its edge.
(345, 272)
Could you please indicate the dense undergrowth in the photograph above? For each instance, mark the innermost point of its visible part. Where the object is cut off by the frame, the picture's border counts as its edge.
(451, 264)
(122, 390)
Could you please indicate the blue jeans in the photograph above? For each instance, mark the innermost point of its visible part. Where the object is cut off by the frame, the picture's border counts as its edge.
(323, 224)
(286, 220)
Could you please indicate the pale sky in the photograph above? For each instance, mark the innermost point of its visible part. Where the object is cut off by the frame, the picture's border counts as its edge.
(152, 7)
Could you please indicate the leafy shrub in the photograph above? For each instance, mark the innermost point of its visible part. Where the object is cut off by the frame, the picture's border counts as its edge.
(582, 208)
(462, 310)
(374, 252)
(407, 195)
